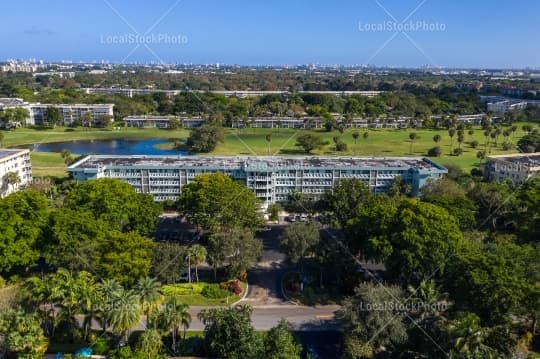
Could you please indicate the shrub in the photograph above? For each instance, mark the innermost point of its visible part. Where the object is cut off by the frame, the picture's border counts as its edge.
(183, 289)
(101, 346)
(232, 286)
(474, 144)
(507, 146)
(458, 151)
(476, 172)
(435, 152)
(214, 291)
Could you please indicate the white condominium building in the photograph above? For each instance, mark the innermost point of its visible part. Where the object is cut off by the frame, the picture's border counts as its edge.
(515, 167)
(271, 178)
(15, 170)
(70, 113)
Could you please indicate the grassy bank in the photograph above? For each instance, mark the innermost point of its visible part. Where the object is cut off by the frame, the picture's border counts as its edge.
(380, 142)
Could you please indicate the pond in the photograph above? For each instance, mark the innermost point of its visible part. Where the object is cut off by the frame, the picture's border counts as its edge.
(110, 147)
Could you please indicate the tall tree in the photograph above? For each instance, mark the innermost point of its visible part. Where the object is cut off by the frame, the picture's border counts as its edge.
(24, 217)
(125, 312)
(299, 240)
(217, 202)
(374, 316)
(21, 335)
(197, 255)
(229, 333)
(279, 343)
(173, 317)
(117, 203)
(309, 142)
(148, 291)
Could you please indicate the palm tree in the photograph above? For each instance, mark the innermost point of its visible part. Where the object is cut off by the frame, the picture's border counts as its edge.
(460, 140)
(66, 156)
(451, 133)
(90, 298)
(150, 343)
(198, 255)
(148, 290)
(12, 179)
(125, 313)
(268, 138)
(109, 289)
(467, 334)
(355, 136)
(412, 136)
(174, 316)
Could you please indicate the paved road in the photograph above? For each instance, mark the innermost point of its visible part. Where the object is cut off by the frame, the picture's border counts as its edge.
(265, 317)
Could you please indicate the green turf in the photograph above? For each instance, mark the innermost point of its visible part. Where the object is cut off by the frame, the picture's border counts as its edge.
(380, 142)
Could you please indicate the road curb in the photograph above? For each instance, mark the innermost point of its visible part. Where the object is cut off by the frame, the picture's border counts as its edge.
(243, 297)
(283, 291)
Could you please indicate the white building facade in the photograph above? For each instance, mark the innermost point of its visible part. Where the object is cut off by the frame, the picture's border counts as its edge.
(516, 167)
(17, 162)
(272, 179)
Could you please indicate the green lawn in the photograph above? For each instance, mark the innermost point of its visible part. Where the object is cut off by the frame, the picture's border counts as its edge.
(380, 142)
(25, 136)
(190, 294)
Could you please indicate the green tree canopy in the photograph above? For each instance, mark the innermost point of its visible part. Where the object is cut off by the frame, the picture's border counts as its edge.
(21, 335)
(24, 216)
(229, 333)
(116, 203)
(217, 202)
(279, 343)
(309, 142)
(205, 138)
(373, 315)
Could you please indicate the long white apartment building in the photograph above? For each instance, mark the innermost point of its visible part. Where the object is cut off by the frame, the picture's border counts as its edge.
(272, 179)
(70, 113)
(517, 167)
(14, 162)
(130, 92)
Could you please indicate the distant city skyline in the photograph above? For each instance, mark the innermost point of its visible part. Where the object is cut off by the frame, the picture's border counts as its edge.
(386, 33)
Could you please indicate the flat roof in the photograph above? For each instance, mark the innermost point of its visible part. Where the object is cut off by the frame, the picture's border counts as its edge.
(257, 162)
(7, 152)
(528, 159)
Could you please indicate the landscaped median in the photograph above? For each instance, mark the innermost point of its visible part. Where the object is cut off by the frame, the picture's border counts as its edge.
(310, 292)
(207, 294)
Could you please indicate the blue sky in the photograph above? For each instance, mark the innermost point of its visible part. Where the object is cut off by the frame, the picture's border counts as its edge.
(451, 33)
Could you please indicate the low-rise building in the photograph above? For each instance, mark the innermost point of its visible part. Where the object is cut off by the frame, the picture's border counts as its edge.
(272, 179)
(149, 121)
(70, 113)
(515, 167)
(15, 170)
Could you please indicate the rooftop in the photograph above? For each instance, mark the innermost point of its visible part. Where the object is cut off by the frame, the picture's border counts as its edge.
(527, 159)
(5, 152)
(254, 162)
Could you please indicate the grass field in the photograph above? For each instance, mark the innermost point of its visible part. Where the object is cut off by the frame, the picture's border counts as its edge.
(380, 142)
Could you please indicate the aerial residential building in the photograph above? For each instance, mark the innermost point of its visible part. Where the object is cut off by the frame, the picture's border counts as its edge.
(149, 121)
(70, 113)
(272, 179)
(507, 105)
(15, 170)
(227, 93)
(515, 167)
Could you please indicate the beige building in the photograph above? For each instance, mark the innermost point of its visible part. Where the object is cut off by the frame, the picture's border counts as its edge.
(14, 163)
(515, 167)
